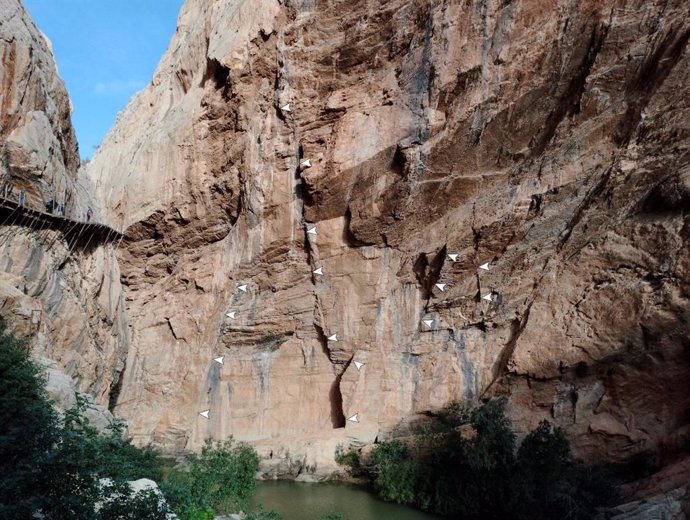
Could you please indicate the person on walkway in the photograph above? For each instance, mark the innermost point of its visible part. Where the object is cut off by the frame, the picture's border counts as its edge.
(8, 189)
(89, 214)
(22, 196)
(61, 209)
(50, 206)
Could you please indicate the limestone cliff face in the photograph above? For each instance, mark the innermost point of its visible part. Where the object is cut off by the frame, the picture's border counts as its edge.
(38, 146)
(67, 301)
(549, 139)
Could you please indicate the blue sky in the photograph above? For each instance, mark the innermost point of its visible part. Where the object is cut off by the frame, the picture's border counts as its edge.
(106, 50)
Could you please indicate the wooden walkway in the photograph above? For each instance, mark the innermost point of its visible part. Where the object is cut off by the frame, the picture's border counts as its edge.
(77, 233)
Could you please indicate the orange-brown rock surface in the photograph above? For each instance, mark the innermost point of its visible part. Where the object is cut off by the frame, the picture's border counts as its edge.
(549, 139)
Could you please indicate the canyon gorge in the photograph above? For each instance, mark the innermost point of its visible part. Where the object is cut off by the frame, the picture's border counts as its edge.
(549, 140)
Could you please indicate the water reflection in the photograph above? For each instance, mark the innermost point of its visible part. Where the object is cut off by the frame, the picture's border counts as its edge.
(302, 501)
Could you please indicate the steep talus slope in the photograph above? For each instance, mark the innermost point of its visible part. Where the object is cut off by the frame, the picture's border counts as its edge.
(66, 300)
(549, 139)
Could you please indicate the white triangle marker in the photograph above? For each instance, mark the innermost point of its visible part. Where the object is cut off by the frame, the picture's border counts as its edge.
(318, 271)
(286, 108)
(358, 365)
(334, 337)
(243, 288)
(484, 266)
(353, 418)
(428, 323)
(487, 297)
(231, 315)
(204, 413)
(454, 258)
(218, 360)
(441, 286)
(306, 163)
(311, 231)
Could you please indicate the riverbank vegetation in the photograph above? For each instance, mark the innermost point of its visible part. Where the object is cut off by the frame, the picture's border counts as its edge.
(60, 467)
(467, 464)
(219, 480)
(51, 466)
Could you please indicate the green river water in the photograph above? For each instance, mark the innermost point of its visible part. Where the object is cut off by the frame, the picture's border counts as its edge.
(302, 501)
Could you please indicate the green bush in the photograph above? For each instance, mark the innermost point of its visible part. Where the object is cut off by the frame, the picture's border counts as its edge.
(547, 471)
(112, 455)
(33, 475)
(178, 493)
(272, 341)
(52, 465)
(552, 484)
(220, 479)
(121, 504)
(482, 475)
(120, 459)
(333, 516)
(396, 475)
(349, 458)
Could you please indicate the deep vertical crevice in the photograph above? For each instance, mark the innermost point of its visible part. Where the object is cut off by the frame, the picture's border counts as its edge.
(428, 272)
(115, 389)
(336, 399)
(436, 264)
(335, 396)
(321, 337)
(476, 238)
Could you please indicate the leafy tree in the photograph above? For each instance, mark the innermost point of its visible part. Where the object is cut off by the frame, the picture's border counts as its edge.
(121, 504)
(32, 477)
(455, 414)
(547, 472)
(27, 419)
(121, 460)
(178, 492)
(112, 455)
(50, 465)
(220, 479)
(553, 485)
(223, 474)
(476, 473)
(395, 475)
(486, 463)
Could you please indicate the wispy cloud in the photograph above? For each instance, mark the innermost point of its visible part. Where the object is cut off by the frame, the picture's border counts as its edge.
(118, 86)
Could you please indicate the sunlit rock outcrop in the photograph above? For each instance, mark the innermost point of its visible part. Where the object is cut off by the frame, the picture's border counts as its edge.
(550, 140)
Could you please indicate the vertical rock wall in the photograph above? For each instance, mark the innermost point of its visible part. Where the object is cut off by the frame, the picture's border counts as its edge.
(548, 139)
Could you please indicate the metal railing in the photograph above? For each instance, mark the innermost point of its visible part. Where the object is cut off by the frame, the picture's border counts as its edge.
(77, 232)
